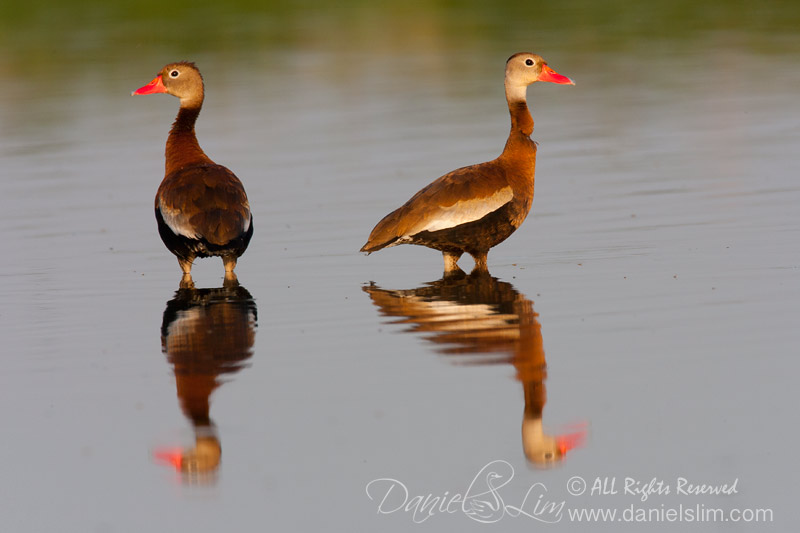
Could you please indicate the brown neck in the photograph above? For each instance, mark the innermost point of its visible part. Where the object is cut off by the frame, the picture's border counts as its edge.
(182, 147)
(519, 147)
(521, 120)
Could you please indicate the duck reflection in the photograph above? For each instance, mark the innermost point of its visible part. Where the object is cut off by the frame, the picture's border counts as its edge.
(205, 334)
(482, 320)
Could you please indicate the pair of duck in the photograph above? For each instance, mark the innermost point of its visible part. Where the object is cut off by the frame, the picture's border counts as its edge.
(202, 209)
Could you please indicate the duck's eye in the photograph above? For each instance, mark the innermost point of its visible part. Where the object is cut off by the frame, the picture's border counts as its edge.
(529, 62)
(174, 74)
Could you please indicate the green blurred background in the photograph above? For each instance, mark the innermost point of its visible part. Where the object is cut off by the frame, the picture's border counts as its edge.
(87, 34)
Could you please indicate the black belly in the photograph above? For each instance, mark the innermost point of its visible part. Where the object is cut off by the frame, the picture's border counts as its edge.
(187, 249)
(474, 237)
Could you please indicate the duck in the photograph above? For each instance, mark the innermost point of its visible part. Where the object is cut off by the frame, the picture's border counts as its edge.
(474, 208)
(201, 207)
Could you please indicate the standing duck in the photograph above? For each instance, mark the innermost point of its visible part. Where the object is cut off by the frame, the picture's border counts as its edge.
(201, 207)
(476, 207)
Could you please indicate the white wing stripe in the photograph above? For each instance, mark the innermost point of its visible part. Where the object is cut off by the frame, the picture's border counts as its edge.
(467, 211)
(176, 221)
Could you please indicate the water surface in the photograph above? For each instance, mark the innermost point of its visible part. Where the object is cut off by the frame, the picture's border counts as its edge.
(648, 303)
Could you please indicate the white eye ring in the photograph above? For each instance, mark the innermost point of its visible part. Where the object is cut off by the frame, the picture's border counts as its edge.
(174, 74)
(529, 62)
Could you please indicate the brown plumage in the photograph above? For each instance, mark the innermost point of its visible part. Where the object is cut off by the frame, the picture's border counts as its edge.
(201, 207)
(477, 207)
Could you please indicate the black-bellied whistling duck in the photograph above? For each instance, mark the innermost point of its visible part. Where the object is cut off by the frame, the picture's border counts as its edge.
(201, 207)
(476, 207)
